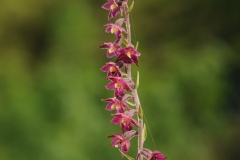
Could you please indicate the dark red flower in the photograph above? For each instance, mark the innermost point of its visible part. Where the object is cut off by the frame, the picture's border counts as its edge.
(113, 7)
(115, 29)
(156, 155)
(123, 141)
(124, 121)
(112, 49)
(149, 155)
(112, 69)
(120, 141)
(115, 104)
(118, 85)
(128, 55)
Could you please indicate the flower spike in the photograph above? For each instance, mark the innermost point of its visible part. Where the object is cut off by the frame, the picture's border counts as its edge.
(120, 80)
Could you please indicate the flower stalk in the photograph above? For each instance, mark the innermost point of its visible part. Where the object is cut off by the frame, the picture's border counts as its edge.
(120, 77)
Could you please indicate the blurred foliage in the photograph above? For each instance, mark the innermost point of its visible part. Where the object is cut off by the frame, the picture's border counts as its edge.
(51, 86)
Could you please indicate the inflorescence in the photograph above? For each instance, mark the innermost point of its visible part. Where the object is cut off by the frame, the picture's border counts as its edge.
(120, 81)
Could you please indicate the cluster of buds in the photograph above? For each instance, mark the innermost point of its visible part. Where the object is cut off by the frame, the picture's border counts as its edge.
(120, 81)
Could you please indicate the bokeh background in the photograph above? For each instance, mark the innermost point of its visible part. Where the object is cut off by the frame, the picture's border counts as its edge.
(51, 85)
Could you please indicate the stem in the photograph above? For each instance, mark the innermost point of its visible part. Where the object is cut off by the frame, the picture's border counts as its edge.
(127, 23)
(140, 123)
(134, 92)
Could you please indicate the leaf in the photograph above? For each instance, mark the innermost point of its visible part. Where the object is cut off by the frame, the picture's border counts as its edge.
(124, 74)
(140, 112)
(131, 7)
(130, 103)
(144, 133)
(137, 81)
(137, 45)
(124, 40)
(127, 156)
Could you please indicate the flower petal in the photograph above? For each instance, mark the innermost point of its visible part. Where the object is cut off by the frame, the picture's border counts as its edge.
(110, 86)
(107, 5)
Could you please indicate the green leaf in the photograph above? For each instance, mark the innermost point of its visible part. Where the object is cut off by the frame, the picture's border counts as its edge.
(130, 103)
(127, 156)
(124, 74)
(137, 45)
(140, 112)
(137, 81)
(144, 133)
(124, 40)
(131, 7)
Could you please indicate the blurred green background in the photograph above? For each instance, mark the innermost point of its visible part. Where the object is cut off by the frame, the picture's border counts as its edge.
(51, 85)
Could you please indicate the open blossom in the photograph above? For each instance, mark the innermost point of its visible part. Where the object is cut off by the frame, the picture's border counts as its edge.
(114, 29)
(120, 141)
(123, 141)
(112, 69)
(151, 155)
(116, 104)
(113, 7)
(118, 85)
(112, 49)
(124, 121)
(128, 55)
